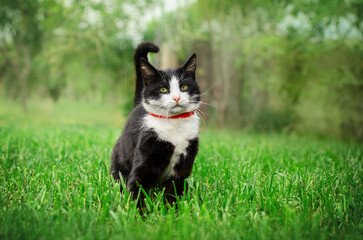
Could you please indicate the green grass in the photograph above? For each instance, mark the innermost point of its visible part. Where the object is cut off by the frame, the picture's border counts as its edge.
(55, 184)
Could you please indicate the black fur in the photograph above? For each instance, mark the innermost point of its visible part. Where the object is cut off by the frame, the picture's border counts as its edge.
(141, 53)
(139, 155)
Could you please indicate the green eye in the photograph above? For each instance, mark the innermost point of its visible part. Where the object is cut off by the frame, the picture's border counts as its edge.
(184, 87)
(163, 90)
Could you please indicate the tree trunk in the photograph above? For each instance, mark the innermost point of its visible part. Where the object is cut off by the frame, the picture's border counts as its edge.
(22, 69)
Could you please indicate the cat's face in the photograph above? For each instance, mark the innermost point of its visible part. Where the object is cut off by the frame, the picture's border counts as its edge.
(172, 91)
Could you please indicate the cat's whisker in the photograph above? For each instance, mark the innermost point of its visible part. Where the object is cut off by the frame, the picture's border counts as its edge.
(203, 93)
(167, 111)
(163, 112)
(207, 104)
(201, 115)
(202, 118)
(204, 103)
(161, 109)
(198, 112)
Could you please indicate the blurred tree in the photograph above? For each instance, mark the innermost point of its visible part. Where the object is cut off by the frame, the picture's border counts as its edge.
(265, 65)
(260, 60)
(21, 33)
(46, 45)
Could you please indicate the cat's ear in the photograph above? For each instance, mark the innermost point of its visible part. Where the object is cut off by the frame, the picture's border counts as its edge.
(148, 72)
(191, 65)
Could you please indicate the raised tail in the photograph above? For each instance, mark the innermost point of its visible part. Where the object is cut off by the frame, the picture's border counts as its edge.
(141, 52)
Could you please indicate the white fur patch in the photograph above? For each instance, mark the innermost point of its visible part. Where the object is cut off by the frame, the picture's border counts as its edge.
(174, 87)
(176, 131)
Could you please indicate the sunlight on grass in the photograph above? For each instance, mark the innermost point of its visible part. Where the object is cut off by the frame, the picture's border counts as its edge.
(55, 184)
(48, 112)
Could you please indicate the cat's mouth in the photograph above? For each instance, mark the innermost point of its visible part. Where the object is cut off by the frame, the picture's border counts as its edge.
(180, 108)
(177, 108)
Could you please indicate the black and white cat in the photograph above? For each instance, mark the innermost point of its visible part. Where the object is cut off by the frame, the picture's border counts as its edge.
(160, 139)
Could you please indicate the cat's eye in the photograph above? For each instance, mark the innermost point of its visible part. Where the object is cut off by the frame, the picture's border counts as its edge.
(184, 87)
(163, 90)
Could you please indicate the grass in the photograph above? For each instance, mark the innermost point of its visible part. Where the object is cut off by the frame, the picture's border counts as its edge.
(55, 184)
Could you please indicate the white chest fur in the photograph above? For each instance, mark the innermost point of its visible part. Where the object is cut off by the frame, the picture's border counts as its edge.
(176, 131)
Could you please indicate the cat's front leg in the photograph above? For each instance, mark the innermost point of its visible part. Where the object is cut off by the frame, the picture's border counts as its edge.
(177, 186)
(134, 188)
(174, 188)
(133, 185)
(144, 176)
(185, 165)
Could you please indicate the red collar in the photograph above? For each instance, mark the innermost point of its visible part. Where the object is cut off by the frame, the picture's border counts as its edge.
(183, 115)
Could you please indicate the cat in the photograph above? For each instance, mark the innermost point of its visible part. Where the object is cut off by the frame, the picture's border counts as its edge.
(160, 139)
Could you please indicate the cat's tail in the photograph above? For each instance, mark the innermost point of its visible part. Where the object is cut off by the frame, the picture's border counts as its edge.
(141, 52)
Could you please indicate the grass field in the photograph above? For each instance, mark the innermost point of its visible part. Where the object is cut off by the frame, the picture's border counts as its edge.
(55, 184)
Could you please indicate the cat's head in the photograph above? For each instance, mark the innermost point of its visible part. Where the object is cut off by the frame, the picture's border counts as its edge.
(172, 91)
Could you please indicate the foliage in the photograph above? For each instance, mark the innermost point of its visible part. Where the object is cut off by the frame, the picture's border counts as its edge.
(268, 56)
(77, 49)
(300, 61)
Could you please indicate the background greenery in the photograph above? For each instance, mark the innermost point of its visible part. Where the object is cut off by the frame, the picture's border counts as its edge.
(265, 65)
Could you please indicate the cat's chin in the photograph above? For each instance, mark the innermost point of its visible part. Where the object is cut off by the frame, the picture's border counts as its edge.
(177, 110)
(159, 111)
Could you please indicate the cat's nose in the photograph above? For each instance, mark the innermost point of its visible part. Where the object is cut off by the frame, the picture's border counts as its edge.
(176, 99)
